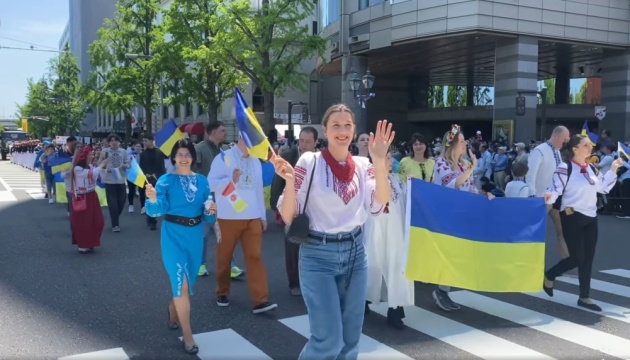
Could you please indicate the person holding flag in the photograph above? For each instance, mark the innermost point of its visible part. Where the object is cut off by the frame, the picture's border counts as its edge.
(114, 180)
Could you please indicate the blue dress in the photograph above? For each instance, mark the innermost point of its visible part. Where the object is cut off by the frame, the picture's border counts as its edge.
(182, 246)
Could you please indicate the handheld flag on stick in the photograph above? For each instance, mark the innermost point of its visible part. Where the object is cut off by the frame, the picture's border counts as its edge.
(59, 164)
(450, 245)
(168, 135)
(136, 175)
(623, 150)
(250, 130)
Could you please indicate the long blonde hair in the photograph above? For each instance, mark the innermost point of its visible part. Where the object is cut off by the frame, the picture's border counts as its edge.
(449, 142)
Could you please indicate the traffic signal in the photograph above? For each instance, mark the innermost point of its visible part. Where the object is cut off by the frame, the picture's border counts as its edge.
(520, 106)
(305, 114)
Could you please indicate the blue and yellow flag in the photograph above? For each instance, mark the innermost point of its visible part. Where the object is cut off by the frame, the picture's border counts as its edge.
(59, 164)
(60, 189)
(623, 150)
(587, 132)
(136, 175)
(250, 130)
(168, 135)
(467, 241)
(268, 172)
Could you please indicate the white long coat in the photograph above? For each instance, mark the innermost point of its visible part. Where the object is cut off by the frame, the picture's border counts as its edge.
(385, 245)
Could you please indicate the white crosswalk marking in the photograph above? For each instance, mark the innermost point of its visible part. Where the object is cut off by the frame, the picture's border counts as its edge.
(36, 194)
(470, 338)
(111, 354)
(14, 178)
(368, 347)
(7, 196)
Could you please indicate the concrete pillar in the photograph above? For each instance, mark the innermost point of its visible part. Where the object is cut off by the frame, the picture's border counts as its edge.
(418, 90)
(516, 69)
(358, 64)
(615, 94)
(563, 85)
(470, 94)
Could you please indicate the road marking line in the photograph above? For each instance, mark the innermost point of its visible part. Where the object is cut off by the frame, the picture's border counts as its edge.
(226, 344)
(369, 348)
(474, 341)
(111, 354)
(4, 184)
(600, 286)
(610, 311)
(618, 272)
(566, 330)
(7, 196)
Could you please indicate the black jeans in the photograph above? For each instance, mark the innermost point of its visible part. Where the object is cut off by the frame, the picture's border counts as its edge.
(291, 257)
(625, 197)
(116, 198)
(580, 234)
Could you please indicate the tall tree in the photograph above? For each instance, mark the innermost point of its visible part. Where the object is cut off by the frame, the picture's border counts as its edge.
(67, 104)
(267, 41)
(436, 96)
(192, 67)
(456, 96)
(121, 81)
(37, 104)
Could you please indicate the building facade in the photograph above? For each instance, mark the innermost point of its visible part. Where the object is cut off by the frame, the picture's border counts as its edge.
(412, 46)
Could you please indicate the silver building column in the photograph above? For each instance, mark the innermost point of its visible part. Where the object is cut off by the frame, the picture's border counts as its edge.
(516, 70)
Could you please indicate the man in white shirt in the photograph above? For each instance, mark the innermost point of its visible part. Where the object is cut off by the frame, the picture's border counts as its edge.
(236, 179)
(542, 162)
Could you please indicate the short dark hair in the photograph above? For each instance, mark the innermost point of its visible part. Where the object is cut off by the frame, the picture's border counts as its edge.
(70, 139)
(113, 136)
(519, 169)
(310, 129)
(184, 143)
(148, 136)
(213, 125)
(417, 137)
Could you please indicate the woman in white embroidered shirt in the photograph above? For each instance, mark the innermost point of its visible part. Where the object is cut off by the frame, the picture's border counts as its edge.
(333, 263)
(575, 189)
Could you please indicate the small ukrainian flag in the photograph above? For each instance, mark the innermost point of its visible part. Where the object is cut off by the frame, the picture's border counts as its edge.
(168, 135)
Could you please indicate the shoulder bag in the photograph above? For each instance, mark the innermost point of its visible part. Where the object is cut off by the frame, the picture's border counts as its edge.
(297, 232)
(78, 201)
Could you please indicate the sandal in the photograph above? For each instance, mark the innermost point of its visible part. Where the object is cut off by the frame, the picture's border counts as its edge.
(192, 350)
(173, 325)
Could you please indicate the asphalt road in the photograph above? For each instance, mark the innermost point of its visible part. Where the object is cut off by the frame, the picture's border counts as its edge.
(56, 303)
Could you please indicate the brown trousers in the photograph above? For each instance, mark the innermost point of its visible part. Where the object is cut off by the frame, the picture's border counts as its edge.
(250, 233)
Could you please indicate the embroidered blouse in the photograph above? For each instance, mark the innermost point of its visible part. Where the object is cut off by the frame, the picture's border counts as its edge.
(85, 179)
(334, 206)
(445, 176)
(580, 192)
(419, 170)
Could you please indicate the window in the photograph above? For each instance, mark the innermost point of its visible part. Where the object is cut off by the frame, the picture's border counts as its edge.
(329, 11)
(363, 4)
(258, 101)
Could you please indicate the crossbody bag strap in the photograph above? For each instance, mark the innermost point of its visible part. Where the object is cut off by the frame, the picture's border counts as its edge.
(310, 182)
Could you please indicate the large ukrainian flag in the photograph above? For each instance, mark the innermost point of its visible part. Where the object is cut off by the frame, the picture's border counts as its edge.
(250, 130)
(467, 241)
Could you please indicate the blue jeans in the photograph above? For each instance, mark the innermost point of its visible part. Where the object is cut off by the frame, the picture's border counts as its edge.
(333, 280)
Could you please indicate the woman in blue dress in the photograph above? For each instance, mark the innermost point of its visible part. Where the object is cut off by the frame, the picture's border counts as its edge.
(182, 198)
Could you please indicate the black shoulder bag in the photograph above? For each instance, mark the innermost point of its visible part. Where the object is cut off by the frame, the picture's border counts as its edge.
(297, 232)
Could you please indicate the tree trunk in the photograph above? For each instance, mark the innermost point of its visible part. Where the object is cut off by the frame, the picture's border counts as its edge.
(128, 127)
(213, 113)
(268, 105)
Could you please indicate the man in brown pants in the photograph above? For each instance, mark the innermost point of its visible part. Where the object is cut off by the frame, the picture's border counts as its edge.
(236, 179)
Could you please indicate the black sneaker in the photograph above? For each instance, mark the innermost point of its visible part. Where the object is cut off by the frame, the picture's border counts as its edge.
(223, 301)
(443, 301)
(266, 306)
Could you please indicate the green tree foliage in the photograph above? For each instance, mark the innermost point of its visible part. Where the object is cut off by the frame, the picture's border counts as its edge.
(119, 83)
(456, 96)
(436, 96)
(267, 41)
(192, 67)
(56, 99)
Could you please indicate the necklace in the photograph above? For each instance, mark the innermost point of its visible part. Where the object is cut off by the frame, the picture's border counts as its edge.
(189, 186)
(556, 156)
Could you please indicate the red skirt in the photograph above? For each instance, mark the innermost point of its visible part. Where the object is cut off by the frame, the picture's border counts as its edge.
(87, 225)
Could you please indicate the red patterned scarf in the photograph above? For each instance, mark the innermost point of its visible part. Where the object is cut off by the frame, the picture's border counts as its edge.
(343, 173)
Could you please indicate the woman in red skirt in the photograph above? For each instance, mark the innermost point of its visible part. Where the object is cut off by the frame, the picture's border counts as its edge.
(86, 217)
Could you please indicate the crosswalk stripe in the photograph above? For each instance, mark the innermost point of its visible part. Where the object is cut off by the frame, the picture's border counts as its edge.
(226, 344)
(7, 196)
(369, 348)
(110, 354)
(618, 272)
(476, 342)
(578, 334)
(608, 310)
(600, 286)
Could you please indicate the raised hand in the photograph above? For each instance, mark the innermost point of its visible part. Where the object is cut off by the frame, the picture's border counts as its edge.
(616, 165)
(149, 191)
(381, 140)
(283, 168)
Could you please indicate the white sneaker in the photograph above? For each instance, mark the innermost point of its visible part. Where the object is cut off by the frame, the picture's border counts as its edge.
(143, 210)
(51, 201)
(130, 208)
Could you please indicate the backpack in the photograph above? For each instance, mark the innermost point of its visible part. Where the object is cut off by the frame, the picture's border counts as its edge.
(556, 205)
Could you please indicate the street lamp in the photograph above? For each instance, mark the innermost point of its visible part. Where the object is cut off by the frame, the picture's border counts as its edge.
(361, 86)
